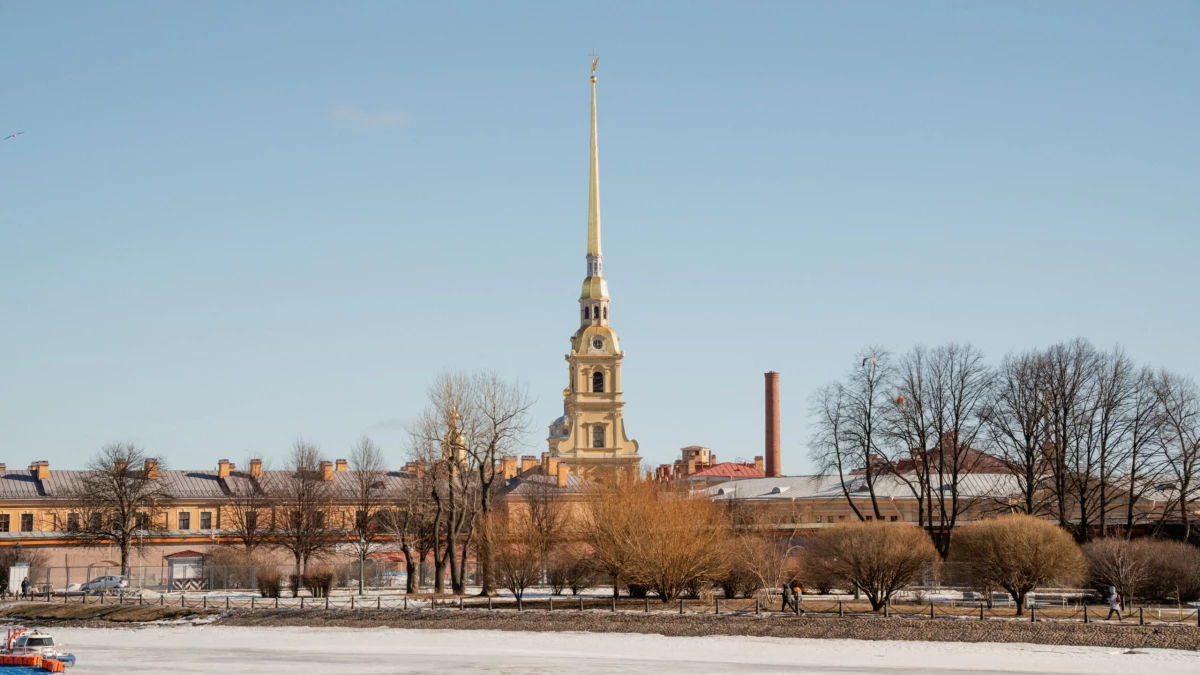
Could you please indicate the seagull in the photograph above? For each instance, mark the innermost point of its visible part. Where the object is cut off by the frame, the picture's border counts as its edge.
(870, 359)
(14, 135)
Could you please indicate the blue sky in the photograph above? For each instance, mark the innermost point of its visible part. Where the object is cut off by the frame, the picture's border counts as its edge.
(230, 225)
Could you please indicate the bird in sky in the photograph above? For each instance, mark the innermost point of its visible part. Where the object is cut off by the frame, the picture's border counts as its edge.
(14, 135)
(870, 359)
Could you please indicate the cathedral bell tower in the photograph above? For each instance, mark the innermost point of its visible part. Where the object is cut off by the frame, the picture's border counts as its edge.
(590, 436)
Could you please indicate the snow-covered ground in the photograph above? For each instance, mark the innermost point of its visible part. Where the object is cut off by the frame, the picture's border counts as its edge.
(301, 651)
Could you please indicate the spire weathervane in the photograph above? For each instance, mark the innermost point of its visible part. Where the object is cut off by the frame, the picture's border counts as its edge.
(595, 60)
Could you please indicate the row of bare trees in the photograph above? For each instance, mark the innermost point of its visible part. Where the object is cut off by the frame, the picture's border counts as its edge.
(1082, 435)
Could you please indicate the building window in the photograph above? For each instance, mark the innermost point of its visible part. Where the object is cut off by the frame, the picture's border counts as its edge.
(27, 522)
(870, 518)
(598, 436)
(895, 518)
(72, 522)
(818, 519)
(360, 520)
(596, 312)
(143, 521)
(185, 520)
(206, 520)
(96, 521)
(4, 522)
(598, 382)
(251, 521)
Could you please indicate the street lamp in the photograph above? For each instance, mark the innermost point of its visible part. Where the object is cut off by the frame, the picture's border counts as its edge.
(362, 561)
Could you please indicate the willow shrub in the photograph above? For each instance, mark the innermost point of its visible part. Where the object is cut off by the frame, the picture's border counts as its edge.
(879, 558)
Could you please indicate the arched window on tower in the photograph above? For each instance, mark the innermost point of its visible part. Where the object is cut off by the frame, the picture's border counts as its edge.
(598, 436)
(598, 382)
(606, 312)
(585, 313)
(596, 312)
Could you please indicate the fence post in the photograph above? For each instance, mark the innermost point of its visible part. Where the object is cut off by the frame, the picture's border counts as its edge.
(551, 604)
(406, 602)
(204, 602)
(885, 609)
(581, 603)
(1085, 614)
(931, 609)
(102, 597)
(327, 602)
(352, 602)
(981, 611)
(1032, 613)
(614, 603)
(378, 602)
(1141, 616)
(841, 610)
(302, 602)
(252, 602)
(647, 604)
(139, 600)
(460, 603)
(277, 602)
(162, 600)
(681, 605)
(756, 612)
(489, 603)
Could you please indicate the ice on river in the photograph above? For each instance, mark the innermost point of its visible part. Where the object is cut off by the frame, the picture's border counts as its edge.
(227, 650)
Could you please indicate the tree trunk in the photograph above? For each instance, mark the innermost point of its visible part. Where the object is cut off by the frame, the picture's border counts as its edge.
(1020, 598)
(411, 570)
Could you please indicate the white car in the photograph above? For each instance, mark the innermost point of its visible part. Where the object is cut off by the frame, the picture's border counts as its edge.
(106, 583)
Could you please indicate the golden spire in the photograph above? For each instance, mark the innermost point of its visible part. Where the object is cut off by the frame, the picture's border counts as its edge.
(594, 179)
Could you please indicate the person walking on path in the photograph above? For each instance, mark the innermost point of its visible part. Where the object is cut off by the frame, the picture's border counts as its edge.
(787, 598)
(25, 588)
(1114, 604)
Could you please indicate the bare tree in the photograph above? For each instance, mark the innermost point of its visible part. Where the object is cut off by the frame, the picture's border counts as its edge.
(1016, 425)
(1179, 403)
(409, 520)
(119, 500)
(368, 473)
(499, 411)
(880, 558)
(851, 427)
(305, 493)
(1071, 459)
(248, 509)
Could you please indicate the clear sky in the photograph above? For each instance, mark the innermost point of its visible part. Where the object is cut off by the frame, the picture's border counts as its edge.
(230, 225)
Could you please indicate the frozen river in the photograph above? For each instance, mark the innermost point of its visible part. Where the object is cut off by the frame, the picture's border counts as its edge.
(303, 651)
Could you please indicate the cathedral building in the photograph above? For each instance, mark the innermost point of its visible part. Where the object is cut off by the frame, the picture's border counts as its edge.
(590, 437)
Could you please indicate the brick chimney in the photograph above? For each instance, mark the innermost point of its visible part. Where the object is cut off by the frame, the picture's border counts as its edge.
(40, 470)
(223, 468)
(151, 467)
(341, 465)
(326, 470)
(3, 467)
(528, 462)
(256, 468)
(773, 469)
(552, 467)
(561, 472)
(509, 467)
(758, 463)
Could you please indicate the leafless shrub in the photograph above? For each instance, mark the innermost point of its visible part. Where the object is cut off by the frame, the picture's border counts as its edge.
(269, 583)
(1121, 563)
(879, 558)
(570, 568)
(1174, 571)
(1018, 553)
(319, 581)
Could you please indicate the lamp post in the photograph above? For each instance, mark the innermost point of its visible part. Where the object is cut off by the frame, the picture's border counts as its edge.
(362, 561)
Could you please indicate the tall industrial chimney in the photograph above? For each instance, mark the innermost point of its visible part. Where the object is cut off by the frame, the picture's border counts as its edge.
(772, 423)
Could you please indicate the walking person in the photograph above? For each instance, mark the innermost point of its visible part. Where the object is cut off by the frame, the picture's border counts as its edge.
(787, 598)
(25, 588)
(1114, 604)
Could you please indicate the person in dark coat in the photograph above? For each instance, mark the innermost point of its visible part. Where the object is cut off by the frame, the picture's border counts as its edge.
(787, 598)
(25, 587)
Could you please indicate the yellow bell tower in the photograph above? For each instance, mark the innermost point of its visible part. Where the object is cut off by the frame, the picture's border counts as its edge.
(590, 437)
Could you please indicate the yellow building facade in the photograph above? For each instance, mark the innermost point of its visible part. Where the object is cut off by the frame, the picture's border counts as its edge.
(590, 437)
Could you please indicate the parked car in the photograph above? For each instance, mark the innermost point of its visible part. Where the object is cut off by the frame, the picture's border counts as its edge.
(106, 583)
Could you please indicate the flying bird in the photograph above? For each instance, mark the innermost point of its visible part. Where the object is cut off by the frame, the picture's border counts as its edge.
(870, 359)
(14, 135)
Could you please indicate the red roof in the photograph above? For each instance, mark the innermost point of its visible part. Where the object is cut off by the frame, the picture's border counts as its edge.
(730, 470)
(186, 554)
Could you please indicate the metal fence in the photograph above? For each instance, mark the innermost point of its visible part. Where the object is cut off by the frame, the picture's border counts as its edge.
(171, 578)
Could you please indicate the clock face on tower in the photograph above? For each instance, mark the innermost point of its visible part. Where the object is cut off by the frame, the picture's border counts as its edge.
(598, 343)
